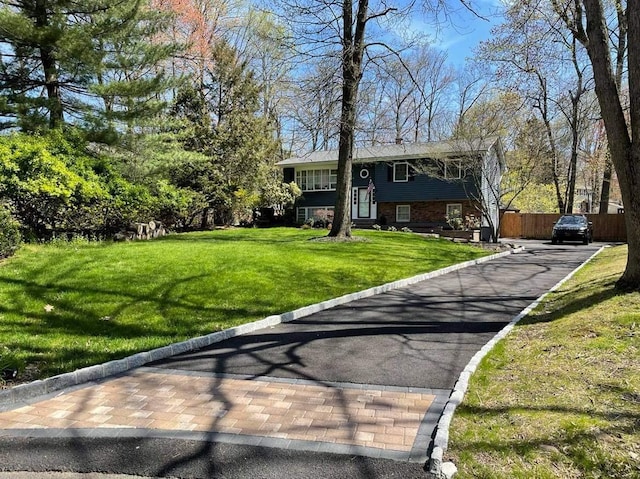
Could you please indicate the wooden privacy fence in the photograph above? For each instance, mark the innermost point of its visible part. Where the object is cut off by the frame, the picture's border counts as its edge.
(539, 226)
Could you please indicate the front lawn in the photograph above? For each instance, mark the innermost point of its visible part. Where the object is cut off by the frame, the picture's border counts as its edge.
(560, 396)
(67, 306)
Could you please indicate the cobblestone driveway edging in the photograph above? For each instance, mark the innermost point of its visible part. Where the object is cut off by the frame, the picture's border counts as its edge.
(446, 470)
(22, 392)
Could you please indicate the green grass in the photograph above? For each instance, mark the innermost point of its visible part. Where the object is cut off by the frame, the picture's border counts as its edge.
(560, 396)
(71, 305)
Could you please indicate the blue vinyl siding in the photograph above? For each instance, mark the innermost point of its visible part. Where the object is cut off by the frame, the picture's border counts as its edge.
(420, 188)
(357, 180)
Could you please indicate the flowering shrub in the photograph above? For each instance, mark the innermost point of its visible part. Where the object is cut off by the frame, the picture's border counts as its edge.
(455, 220)
(322, 218)
(471, 222)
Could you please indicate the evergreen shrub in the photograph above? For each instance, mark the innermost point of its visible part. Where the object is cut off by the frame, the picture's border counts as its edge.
(9, 233)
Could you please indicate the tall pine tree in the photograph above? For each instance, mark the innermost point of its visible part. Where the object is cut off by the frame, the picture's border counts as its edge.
(225, 123)
(79, 62)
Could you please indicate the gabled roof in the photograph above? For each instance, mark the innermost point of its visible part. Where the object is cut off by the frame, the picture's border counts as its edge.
(405, 151)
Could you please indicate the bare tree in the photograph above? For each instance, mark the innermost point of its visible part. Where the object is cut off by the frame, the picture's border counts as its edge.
(404, 96)
(354, 23)
(316, 103)
(471, 86)
(434, 78)
(263, 46)
(339, 28)
(590, 23)
(539, 59)
(397, 87)
(502, 116)
(375, 109)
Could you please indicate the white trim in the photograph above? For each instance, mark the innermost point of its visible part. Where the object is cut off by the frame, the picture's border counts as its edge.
(457, 206)
(356, 192)
(330, 172)
(398, 220)
(394, 172)
(447, 163)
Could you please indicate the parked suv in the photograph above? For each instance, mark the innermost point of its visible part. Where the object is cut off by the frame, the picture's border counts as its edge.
(572, 228)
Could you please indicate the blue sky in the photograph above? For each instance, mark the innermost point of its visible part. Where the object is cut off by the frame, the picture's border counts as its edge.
(462, 32)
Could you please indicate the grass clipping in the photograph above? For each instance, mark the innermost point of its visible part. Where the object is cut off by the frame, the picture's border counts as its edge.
(560, 396)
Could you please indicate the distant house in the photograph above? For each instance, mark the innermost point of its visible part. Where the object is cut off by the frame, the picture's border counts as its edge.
(583, 199)
(584, 202)
(416, 184)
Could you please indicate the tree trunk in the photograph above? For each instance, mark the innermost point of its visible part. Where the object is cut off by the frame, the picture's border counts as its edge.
(352, 52)
(625, 152)
(544, 112)
(575, 131)
(50, 68)
(554, 160)
(603, 209)
(204, 221)
(630, 185)
(571, 181)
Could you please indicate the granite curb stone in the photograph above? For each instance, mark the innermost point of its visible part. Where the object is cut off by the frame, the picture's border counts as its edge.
(446, 470)
(23, 392)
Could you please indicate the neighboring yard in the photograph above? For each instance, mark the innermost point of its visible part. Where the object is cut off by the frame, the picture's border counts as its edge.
(67, 306)
(560, 396)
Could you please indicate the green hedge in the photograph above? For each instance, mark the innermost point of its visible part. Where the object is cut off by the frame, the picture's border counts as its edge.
(56, 186)
(9, 233)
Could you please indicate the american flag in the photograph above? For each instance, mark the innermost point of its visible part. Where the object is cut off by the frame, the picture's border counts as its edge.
(370, 188)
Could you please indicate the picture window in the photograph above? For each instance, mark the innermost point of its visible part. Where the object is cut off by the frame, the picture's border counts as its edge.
(317, 180)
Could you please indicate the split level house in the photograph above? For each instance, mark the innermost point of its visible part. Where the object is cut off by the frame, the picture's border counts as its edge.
(417, 185)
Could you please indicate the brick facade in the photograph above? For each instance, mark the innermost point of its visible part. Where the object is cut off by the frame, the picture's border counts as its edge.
(424, 212)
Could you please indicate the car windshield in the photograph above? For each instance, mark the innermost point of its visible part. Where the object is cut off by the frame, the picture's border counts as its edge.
(571, 220)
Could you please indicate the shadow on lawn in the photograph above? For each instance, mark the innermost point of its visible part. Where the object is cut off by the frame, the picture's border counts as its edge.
(397, 339)
(92, 322)
(395, 346)
(574, 300)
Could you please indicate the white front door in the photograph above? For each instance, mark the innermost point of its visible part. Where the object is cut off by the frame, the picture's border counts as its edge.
(363, 204)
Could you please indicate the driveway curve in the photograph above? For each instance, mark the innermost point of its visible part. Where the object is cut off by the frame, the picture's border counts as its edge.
(353, 391)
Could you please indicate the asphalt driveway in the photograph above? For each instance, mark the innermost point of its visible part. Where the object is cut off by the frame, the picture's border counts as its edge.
(354, 391)
(418, 336)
